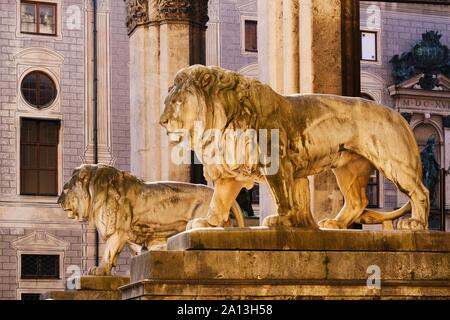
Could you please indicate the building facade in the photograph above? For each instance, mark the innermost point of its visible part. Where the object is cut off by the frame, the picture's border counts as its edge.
(47, 65)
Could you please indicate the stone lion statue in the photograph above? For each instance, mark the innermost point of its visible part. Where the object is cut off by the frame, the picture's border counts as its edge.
(126, 210)
(317, 132)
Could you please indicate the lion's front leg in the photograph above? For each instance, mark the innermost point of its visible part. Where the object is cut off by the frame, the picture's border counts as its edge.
(225, 193)
(114, 246)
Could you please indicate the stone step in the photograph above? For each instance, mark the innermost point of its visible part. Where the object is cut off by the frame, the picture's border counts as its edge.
(295, 239)
(292, 265)
(91, 288)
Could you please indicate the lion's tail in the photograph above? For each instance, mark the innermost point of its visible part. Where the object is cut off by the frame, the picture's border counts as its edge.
(376, 217)
(238, 214)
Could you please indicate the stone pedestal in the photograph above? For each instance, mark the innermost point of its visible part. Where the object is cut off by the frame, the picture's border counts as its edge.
(261, 263)
(91, 288)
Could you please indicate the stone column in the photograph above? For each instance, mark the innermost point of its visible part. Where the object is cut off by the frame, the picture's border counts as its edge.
(270, 59)
(310, 46)
(165, 36)
(104, 83)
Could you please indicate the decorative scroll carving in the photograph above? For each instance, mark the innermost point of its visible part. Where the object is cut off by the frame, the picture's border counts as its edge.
(142, 12)
(175, 9)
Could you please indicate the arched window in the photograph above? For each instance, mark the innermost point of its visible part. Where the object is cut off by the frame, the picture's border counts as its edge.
(423, 132)
(366, 96)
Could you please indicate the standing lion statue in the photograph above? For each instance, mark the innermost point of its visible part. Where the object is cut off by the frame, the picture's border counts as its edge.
(126, 210)
(317, 132)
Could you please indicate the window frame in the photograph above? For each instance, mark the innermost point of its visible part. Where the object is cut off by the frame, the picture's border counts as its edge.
(23, 294)
(377, 55)
(37, 4)
(244, 19)
(38, 169)
(41, 277)
(377, 205)
(55, 88)
(255, 23)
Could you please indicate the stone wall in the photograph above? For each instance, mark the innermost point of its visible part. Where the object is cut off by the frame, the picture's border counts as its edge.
(10, 282)
(120, 86)
(229, 14)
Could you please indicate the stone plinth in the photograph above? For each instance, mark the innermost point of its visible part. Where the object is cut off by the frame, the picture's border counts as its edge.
(261, 263)
(92, 288)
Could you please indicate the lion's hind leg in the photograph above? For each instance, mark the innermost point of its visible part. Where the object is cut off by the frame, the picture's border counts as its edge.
(352, 179)
(420, 203)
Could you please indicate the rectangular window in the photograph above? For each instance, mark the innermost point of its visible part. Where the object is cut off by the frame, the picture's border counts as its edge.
(373, 190)
(30, 296)
(36, 266)
(251, 36)
(39, 141)
(369, 46)
(38, 18)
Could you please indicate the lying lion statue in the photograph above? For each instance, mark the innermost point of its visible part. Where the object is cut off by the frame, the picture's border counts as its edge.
(317, 132)
(126, 210)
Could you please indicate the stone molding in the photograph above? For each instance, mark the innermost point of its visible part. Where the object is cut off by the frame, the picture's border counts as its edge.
(146, 12)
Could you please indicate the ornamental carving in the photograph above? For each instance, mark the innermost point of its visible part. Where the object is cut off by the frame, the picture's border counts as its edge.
(175, 9)
(137, 13)
(142, 12)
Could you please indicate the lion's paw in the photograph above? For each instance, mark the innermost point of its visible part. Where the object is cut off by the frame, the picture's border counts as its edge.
(198, 223)
(411, 224)
(276, 221)
(99, 271)
(331, 224)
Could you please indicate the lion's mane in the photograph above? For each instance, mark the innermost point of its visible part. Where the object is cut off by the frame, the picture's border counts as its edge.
(232, 101)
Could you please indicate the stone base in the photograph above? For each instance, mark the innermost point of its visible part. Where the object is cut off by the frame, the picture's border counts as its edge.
(91, 288)
(261, 263)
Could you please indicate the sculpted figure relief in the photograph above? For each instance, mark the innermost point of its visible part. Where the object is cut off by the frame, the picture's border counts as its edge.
(126, 210)
(350, 136)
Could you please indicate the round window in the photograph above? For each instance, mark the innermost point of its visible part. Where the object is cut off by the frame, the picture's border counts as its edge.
(38, 89)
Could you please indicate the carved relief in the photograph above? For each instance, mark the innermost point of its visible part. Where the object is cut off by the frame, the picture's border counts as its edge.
(175, 9)
(140, 12)
(137, 13)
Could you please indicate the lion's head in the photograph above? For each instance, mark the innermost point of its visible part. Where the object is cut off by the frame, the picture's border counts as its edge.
(215, 98)
(90, 188)
(75, 197)
(212, 95)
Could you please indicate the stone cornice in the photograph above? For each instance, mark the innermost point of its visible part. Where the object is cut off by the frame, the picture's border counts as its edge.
(145, 12)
